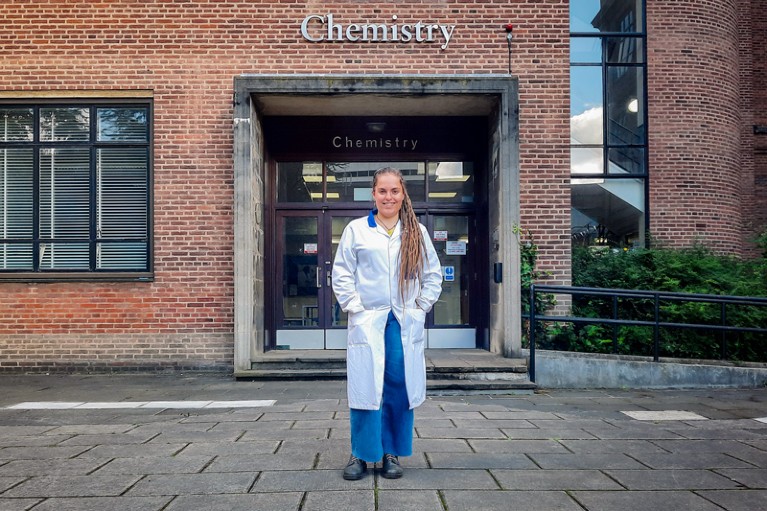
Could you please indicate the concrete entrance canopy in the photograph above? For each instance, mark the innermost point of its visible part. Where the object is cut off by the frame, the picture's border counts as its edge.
(257, 96)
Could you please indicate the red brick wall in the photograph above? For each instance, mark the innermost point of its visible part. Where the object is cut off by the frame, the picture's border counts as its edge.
(695, 123)
(187, 53)
(759, 94)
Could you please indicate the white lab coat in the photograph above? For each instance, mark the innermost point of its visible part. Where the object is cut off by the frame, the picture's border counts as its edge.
(365, 281)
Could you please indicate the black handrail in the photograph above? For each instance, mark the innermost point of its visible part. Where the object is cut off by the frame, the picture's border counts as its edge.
(656, 296)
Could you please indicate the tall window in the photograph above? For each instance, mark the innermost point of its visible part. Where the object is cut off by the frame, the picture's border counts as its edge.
(608, 128)
(74, 189)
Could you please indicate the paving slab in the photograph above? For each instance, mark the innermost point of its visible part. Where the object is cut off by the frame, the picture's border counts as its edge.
(671, 479)
(548, 434)
(751, 478)
(358, 500)
(102, 503)
(17, 504)
(176, 437)
(130, 451)
(447, 479)
(311, 446)
(490, 423)
(33, 441)
(598, 461)
(309, 480)
(643, 501)
(510, 501)
(690, 460)
(155, 465)
(261, 462)
(612, 446)
(626, 431)
(41, 453)
(454, 432)
(485, 460)
(275, 434)
(92, 429)
(73, 486)
(519, 446)
(192, 484)
(561, 480)
(225, 448)
(740, 500)
(399, 500)
(108, 439)
(437, 445)
(41, 467)
(238, 502)
(9, 482)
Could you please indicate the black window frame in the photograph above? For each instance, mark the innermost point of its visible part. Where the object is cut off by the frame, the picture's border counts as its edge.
(606, 146)
(93, 273)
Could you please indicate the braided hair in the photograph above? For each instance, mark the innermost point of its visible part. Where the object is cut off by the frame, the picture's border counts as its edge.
(412, 247)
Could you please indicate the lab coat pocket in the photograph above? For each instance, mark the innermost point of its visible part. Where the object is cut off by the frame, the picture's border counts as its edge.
(417, 319)
(359, 327)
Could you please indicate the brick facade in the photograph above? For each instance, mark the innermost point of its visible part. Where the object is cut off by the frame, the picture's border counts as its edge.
(703, 90)
(187, 54)
(758, 58)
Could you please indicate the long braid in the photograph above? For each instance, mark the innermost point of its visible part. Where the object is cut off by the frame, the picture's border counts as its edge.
(411, 249)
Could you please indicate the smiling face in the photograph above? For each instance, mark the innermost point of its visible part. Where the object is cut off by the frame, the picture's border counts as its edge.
(388, 194)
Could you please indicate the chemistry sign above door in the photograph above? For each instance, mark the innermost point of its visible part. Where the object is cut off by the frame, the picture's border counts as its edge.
(319, 28)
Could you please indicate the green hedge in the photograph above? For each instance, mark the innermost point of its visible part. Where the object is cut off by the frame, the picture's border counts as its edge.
(692, 270)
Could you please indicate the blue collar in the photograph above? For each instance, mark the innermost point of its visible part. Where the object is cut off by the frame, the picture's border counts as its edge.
(372, 218)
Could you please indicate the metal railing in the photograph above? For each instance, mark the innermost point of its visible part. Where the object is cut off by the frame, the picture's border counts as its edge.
(657, 298)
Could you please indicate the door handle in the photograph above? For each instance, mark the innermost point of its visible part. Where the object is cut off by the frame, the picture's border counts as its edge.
(319, 278)
(328, 279)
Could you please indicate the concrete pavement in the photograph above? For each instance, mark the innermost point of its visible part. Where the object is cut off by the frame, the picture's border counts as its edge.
(191, 442)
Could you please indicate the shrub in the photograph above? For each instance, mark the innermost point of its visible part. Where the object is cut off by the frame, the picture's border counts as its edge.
(692, 270)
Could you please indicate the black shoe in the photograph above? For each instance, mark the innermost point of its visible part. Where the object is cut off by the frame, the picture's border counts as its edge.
(355, 469)
(391, 468)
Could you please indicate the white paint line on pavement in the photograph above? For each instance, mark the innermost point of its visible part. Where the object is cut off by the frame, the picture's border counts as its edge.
(45, 405)
(107, 406)
(241, 404)
(762, 419)
(664, 415)
(79, 405)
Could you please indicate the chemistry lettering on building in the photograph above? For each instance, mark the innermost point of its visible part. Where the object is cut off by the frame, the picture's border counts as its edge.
(347, 142)
(318, 28)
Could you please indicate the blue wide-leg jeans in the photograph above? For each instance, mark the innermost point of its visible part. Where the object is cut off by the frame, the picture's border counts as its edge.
(389, 429)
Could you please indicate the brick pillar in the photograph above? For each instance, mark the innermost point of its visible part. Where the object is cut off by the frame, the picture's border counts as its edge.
(695, 123)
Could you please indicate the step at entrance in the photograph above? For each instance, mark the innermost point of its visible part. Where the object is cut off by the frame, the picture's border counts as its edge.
(448, 371)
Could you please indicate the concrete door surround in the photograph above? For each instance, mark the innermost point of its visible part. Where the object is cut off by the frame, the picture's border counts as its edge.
(255, 96)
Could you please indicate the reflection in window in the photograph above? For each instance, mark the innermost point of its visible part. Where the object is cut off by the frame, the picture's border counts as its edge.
(446, 181)
(353, 181)
(625, 105)
(16, 124)
(299, 182)
(608, 212)
(606, 16)
(451, 181)
(64, 124)
(607, 122)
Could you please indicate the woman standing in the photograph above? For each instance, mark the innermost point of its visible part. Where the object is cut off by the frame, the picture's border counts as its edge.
(387, 276)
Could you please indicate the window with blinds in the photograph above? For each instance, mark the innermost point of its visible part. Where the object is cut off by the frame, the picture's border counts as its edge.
(74, 189)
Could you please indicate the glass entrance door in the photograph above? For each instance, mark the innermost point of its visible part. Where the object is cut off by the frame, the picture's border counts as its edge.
(314, 203)
(307, 314)
(452, 325)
